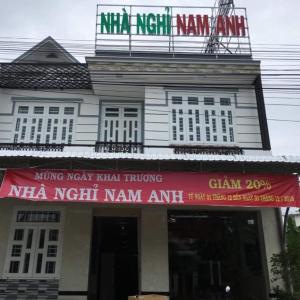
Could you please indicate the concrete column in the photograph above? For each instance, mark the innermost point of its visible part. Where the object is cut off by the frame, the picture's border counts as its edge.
(6, 212)
(154, 250)
(76, 251)
(271, 238)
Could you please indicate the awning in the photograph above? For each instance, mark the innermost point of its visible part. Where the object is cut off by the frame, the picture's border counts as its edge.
(92, 155)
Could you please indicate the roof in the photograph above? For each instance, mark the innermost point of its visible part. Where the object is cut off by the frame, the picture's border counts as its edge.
(44, 76)
(46, 51)
(89, 154)
(47, 65)
(71, 156)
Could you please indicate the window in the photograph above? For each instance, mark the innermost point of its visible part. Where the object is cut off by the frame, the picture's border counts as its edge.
(121, 123)
(34, 247)
(48, 123)
(193, 101)
(209, 101)
(176, 100)
(202, 118)
(225, 102)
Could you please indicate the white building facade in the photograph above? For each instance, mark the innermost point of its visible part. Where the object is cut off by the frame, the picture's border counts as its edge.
(143, 112)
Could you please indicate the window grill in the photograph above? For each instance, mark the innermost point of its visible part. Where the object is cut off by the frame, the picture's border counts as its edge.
(35, 244)
(211, 113)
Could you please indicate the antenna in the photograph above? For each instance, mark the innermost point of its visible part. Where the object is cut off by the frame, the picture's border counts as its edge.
(221, 8)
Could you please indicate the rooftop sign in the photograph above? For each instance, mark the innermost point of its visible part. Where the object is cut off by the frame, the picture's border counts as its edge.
(161, 24)
(172, 29)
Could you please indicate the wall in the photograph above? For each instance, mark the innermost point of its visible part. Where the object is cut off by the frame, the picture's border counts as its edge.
(157, 120)
(153, 233)
(154, 250)
(157, 130)
(156, 116)
(271, 238)
(87, 120)
(76, 251)
(6, 211)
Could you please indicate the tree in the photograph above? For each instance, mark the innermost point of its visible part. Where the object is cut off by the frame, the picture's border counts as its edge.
(286, 265)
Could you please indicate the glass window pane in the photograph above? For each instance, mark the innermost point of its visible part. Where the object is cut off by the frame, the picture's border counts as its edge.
(50, 267)
(53, 235)
(19, 234)
(26, 263)
(130, 112)
(52, 251)
(16, 250)
(225, 102)
(14, 266)
(208, 250)
(38, 216)
(23, 109)
(176, 100)
(193, 100)
(42, 239)
(69, 110)
(29, 239)
(209, 101)
(39, 263)
(18, 124)
(53, 110)
(38, 110)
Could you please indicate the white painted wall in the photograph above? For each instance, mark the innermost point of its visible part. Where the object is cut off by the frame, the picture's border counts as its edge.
(6, 212)
(154, 250)
(75, 245)
(271, 238)
(76, 250)
(153, 235)
(156, 116)
(157, 119)
(87, 120)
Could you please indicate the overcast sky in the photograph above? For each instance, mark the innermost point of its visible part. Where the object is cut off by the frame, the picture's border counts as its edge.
(271, 21)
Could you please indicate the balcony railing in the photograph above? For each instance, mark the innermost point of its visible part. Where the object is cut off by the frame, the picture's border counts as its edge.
(117, 147)
(207, 150)
(32, 147)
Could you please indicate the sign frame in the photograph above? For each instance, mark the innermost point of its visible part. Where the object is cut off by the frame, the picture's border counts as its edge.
(172, 29)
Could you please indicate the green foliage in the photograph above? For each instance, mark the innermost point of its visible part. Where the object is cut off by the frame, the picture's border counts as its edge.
(283, 295)
(286, 265)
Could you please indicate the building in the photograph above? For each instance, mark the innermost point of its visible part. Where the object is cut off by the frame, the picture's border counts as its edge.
(172, 119)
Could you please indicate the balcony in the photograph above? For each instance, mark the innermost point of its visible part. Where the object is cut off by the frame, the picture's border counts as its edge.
(209, 150)
(117, 147)
(32, 147)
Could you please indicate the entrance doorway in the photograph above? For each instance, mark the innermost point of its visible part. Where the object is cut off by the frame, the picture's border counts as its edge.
(114, 259)
(209, 251)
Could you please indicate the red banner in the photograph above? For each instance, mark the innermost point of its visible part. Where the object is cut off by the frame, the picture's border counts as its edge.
(173, 188)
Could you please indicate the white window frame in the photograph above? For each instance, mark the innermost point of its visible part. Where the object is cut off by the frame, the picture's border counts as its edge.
(201, 107)
(121, 107)
(34, 254)
(45, 116)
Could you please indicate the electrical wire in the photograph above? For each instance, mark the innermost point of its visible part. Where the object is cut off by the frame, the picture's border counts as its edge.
(268, 87)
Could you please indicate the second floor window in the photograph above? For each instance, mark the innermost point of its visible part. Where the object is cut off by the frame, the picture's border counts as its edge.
(121, 123)
(201, 118)
(44, 123)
